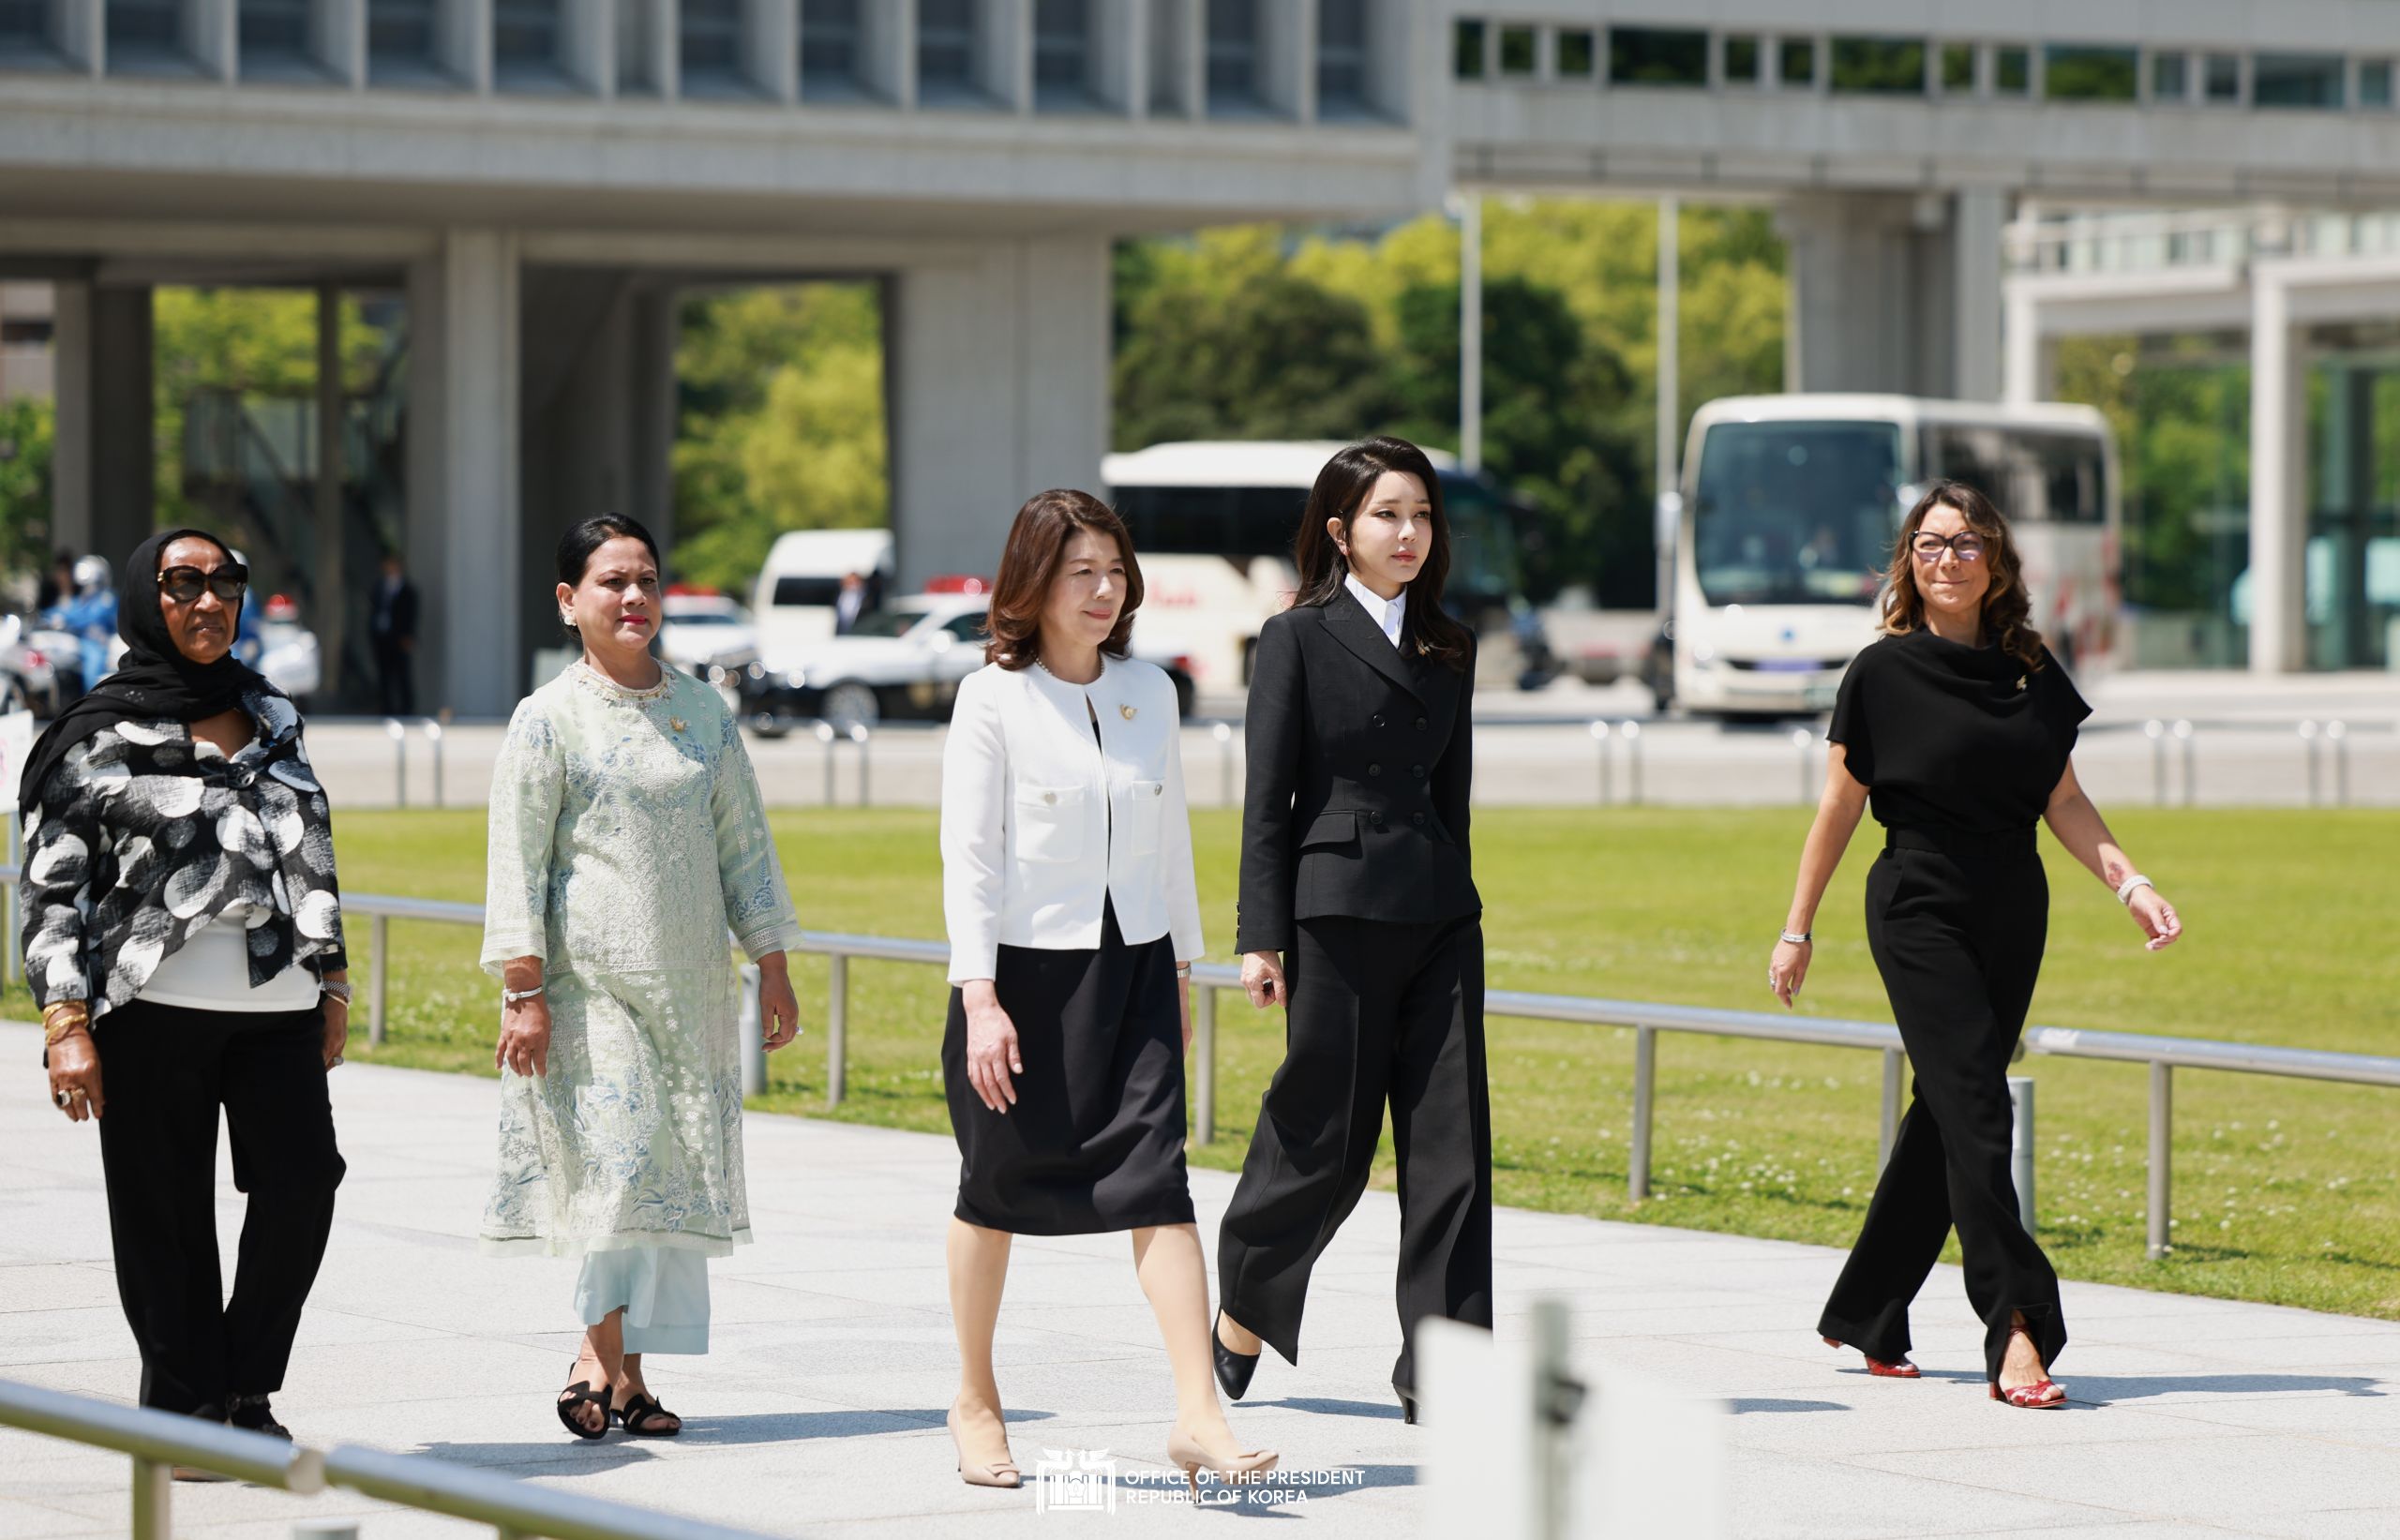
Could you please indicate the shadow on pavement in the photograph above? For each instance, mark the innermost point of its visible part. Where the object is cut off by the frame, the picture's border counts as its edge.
(1328, 1407)
(2089, 1387)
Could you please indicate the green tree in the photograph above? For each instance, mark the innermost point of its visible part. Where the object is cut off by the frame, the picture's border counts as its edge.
(781, 422)
(26, 435)
(1242, 348)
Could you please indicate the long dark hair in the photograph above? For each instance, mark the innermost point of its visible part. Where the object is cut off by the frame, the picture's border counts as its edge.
(1037, 544)
(1426, 629)
(2006, 609)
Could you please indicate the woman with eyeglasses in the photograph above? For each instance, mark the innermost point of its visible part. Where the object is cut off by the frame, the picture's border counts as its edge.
(183, 939)
(628, 839)
(1960, 727)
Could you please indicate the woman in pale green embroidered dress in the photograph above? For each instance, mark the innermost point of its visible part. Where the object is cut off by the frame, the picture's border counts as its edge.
(627, 838)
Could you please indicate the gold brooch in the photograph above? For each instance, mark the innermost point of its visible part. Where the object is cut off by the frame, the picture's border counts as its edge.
(680, 724)
(2020, 681)
(1125, 711)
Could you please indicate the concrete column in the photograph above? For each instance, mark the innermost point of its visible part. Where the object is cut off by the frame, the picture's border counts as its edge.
(1853, 291)
(212, 37)
(770, 48)
(1004, 52)
(463, 43)
(1895, 292)
(998, 369)
(1178, 59)
(124, 413)
(1120, 55)
(1287, 57)
(588, 45)
(2030, 359)
(463, 448)
(70, 464)
(331, 613)
(888, 52)
(656, 323)
(2278, 504)
(1978, 221)
(337, 37)
(78, 31)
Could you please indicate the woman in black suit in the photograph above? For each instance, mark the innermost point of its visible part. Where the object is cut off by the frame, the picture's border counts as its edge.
(1360, 915)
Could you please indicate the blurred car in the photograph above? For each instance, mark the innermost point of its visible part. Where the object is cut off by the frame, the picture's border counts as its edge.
(29, 675)
(704, 628)
(902, 661)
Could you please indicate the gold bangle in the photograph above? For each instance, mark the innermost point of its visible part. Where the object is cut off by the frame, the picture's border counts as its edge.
(64, 1020)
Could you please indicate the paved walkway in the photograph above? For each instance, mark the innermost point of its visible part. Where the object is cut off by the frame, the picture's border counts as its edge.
(819, 1411)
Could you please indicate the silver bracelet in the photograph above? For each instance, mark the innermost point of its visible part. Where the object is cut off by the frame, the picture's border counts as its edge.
(510, 996)
(2126, 888)
(340, 991)
(1800, 938)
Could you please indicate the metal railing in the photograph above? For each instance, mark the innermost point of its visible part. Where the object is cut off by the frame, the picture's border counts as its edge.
(160, 1441)
(1647, 1019)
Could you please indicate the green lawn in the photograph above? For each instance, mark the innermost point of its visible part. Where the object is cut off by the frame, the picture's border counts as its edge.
(2284, 1191)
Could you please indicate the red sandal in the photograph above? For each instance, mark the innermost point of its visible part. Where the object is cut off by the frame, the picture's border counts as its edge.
(1900, 1370)
(2033, 1397)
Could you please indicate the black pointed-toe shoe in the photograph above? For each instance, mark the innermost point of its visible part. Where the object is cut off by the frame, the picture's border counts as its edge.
(1233, 1369)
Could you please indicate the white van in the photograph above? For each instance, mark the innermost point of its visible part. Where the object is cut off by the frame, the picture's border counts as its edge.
(792, 605)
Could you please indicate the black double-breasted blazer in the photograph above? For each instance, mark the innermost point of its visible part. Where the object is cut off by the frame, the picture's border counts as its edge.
(1360, 761)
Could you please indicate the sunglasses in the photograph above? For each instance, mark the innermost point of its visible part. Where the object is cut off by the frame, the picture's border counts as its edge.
(1930, 547)
(184, 585)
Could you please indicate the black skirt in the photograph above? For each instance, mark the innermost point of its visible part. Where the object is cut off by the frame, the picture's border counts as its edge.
(1094, 1142)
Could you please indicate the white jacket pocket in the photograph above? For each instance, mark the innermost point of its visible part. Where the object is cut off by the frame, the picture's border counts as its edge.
(1049, 822)
(1142, 817)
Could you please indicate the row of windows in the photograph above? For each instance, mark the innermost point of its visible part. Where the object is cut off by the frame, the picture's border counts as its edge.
(953, 41)
(1918, 67)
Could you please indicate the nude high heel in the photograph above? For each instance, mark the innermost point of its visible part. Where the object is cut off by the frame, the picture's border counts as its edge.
(1001, 1472)
(1185, 1452)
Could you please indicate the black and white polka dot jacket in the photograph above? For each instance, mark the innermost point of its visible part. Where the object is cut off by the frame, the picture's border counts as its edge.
(144, 836)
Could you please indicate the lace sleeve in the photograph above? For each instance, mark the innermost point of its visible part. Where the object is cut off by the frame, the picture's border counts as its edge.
(758, 906)
(526, 783)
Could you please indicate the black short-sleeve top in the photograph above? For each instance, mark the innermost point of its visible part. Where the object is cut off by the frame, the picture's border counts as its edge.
(1955, 738)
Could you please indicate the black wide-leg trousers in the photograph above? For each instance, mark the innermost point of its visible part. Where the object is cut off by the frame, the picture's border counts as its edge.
(1959, 937)
(1378, 1012)
(164, 1073)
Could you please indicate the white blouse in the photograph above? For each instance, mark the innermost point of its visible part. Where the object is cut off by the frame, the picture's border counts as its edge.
(1043, 826)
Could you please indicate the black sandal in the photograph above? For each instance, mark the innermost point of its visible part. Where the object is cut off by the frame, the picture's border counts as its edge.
(577, 1395)
(641, 1414)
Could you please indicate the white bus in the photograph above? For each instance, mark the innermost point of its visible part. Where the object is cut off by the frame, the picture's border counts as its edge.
(1215, 523)
(1791, 505)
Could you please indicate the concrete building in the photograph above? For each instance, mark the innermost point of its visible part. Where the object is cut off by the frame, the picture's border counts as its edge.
(535, 180)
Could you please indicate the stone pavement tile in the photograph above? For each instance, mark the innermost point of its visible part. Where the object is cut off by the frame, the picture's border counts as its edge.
(1787, 1497)
(2243, 1476)
(55, 1285)
(2363, 1419)
(2132, 1529)
(2216, 1386)
(34, 1521)
(2377, 1523)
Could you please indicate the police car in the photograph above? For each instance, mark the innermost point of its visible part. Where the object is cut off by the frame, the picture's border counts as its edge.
(900, 662)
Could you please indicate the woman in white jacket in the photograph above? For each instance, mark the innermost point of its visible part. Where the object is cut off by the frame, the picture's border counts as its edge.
(1073, 920)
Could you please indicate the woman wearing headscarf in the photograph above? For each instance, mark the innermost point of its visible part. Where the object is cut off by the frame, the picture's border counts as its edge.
(183, 939)
(627, 838)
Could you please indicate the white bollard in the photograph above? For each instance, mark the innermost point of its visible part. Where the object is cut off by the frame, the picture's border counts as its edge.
(751, 1026)
(1519, 1448)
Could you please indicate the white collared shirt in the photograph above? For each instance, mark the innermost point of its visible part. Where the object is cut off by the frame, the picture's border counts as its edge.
(1385, 613)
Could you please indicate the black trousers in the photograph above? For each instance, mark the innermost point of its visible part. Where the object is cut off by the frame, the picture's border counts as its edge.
(164, 1073)
(395, 678)
(1378, 1011)
(1957, 933)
